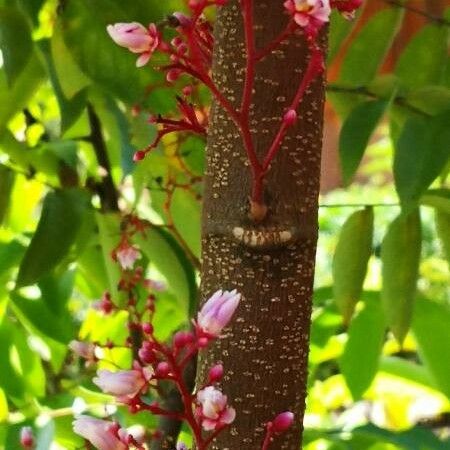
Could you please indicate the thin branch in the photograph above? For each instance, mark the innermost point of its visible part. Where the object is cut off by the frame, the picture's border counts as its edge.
(431, 17)
(30, 175)
(106, 189)
(363, 90)
(360, 205)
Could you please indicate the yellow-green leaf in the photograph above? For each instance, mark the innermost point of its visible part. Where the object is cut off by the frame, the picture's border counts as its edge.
(351, 259)
(400, 256)
(443, 229)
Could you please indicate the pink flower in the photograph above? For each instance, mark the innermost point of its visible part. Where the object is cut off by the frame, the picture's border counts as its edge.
(309, 14)
(127, 255)
(217, 312)
(213, 409)
(27, 438)
(101, 434)
(85, 350)
(124, 384)
(136, 38)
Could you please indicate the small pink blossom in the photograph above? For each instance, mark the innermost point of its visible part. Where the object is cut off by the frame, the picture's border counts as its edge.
(27, 438)
(155, 285)
(85, 350)
(124, 384)
(100, 433)
(213, 409)
(127, 255)
(217, 312)
(136, 38)
(309, 14)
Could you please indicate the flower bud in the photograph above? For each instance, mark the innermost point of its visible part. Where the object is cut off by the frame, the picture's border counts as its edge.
(27, 438)
(147, 328)
(290, 117)
(215, 373)
(173, 75)
(162, 370)
(283, 422)
(139, 156)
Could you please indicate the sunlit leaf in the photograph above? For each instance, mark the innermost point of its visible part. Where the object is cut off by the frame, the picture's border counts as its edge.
(13, 100)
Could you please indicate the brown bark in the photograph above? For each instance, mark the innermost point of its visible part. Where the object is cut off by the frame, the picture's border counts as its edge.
(265, 351)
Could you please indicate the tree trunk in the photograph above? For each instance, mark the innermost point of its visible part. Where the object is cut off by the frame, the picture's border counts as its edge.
(265, 351)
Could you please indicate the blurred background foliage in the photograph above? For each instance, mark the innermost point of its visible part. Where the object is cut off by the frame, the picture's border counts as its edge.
(73, 109)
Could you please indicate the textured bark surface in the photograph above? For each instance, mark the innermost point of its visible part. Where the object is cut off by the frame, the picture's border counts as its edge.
(265, 350)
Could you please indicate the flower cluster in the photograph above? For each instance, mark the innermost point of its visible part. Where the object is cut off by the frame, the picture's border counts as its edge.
(189, 54)
(206, 410)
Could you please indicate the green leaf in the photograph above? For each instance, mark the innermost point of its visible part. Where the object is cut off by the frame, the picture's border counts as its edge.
(7, 178)
(400, 256)
(430, 328)
(369, 48)
(421, 63)
(10, 380)
(13, 100)
(408, 370)
(109, 229)
(165, 253)
(437, 198)
(116, 131)
(31, 8)
(430, 99)
(69, 75)
(340, 28)
(37, 315)
(359, 362)
(70, 109)
(186, 205)
(61, 218)
(351, 259)
(30, 364)
(356, 133)
(417, 438)
(15, 42)
(443, 229)
(422, 151)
